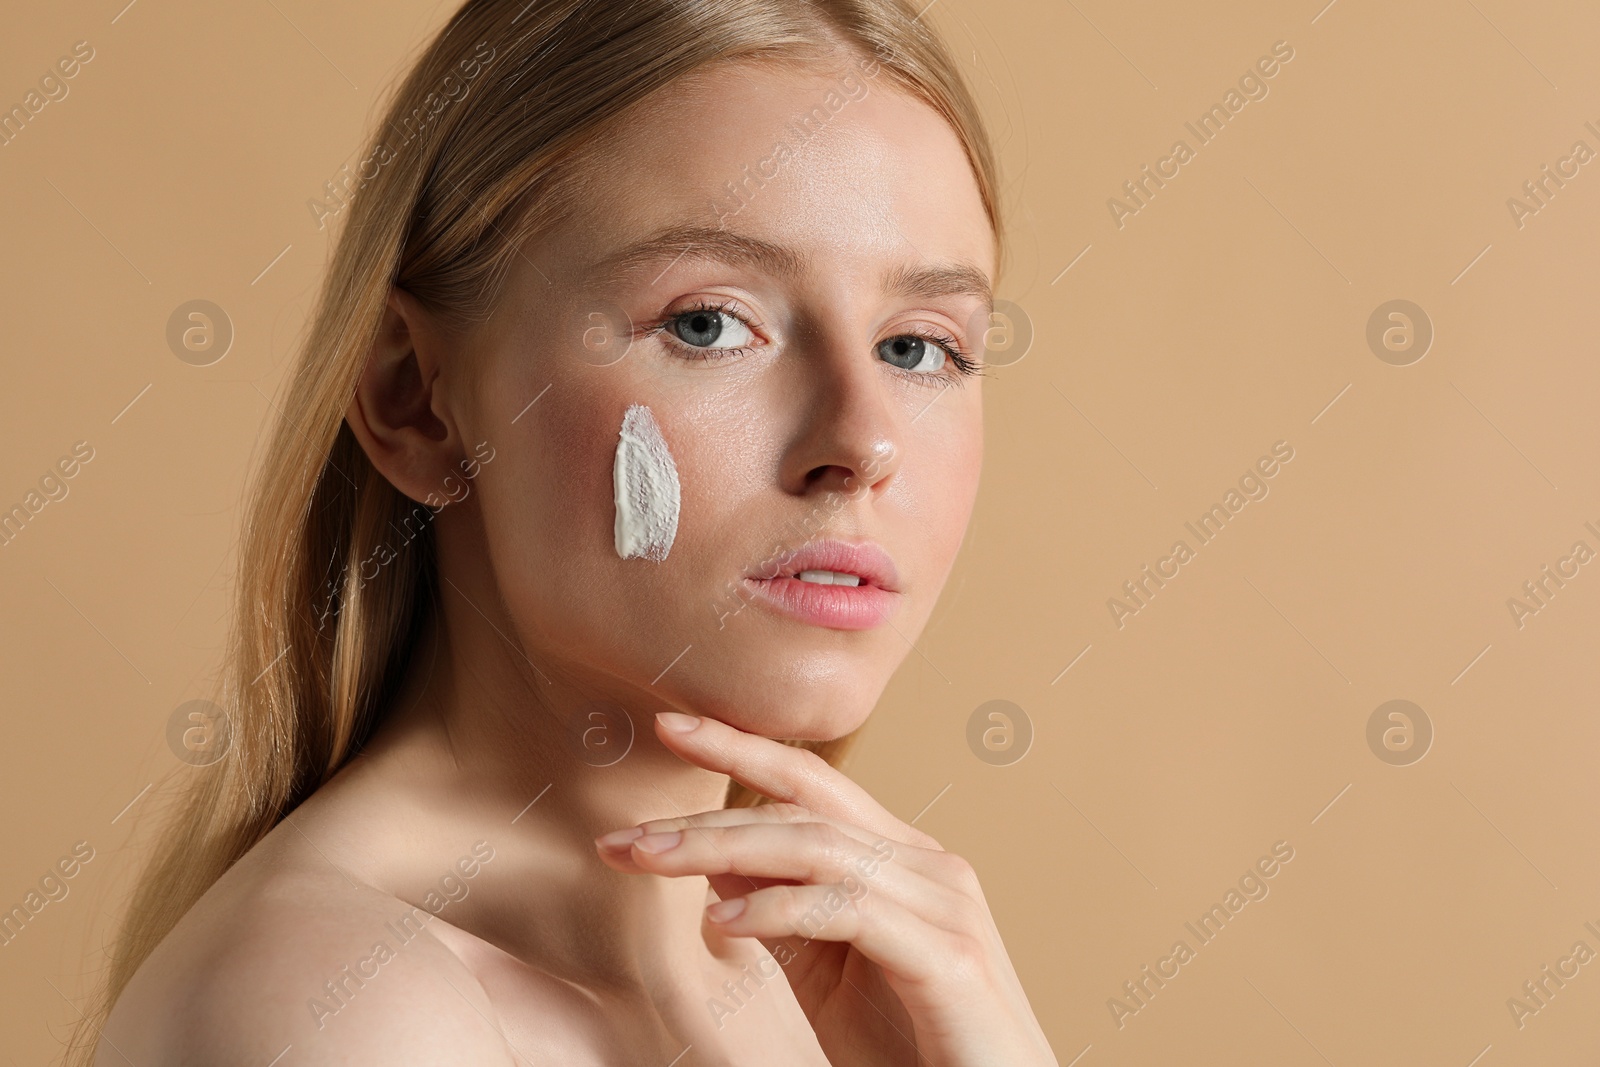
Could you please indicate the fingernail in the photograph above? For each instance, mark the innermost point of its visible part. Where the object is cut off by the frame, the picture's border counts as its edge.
(659, 842)
(726, 910)
(677, 723)
(618, 840)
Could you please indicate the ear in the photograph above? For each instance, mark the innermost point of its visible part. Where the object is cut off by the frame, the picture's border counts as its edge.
(400, 412)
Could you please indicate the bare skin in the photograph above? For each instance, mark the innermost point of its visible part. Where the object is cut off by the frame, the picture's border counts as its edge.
(488, 805)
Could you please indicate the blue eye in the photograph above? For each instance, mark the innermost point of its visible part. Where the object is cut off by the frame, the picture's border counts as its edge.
(913, 353)
(705, 327)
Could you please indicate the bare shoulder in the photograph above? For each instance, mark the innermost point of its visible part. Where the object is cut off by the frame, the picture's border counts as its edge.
(288, 964)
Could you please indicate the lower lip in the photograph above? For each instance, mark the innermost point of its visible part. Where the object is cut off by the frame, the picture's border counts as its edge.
(838, 607)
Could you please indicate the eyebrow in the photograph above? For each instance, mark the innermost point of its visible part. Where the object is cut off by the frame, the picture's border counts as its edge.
(929, 281)
(708, 243)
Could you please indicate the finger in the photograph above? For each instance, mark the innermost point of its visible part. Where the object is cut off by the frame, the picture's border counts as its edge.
(805, 852)
(778, 813)
(936, 863)
(740, 859)
(782, 772)
(881, 929)
(726, 885)
(726, 876)
(940, 887)
(616, 848)
(938, 866)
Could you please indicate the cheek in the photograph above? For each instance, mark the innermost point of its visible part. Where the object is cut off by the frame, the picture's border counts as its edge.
(724, 459)
(567, 471)
(940, 483)
(932, 501)
(550, 520)
(547, 512)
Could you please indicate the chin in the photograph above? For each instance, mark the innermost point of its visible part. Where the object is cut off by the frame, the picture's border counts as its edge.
(804, 702)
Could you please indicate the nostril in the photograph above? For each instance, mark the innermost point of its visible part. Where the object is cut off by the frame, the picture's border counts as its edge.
(844, 475)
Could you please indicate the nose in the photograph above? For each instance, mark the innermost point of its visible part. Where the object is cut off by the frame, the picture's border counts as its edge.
(849, 438)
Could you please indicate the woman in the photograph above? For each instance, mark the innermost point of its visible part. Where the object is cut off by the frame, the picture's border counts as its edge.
(638, 428)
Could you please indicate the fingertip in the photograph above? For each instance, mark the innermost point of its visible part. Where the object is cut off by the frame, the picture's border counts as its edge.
(677, 723)
(621, 862)
(619, 840)
(725, 911)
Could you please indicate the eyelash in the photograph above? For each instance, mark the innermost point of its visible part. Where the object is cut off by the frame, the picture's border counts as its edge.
(964, 365)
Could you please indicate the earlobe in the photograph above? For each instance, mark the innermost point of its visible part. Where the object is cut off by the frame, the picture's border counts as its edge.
(399, 411)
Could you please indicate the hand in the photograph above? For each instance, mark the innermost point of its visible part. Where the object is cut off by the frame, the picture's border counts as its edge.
(884, 937)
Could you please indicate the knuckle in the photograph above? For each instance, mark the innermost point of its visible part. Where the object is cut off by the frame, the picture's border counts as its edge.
(826, 840)
(812, 764)
(785, 812)
(786, 903)
(811, 910)
(793, 898)
(968, 913)
(958, 872)
(966, 959)
(781, 789)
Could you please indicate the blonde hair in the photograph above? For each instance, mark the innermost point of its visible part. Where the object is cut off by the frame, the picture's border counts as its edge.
(474, 156)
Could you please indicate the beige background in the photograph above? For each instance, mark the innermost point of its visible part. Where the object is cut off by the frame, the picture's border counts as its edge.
(1226, 315)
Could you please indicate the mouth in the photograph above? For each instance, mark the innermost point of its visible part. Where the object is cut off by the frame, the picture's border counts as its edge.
(834, 584)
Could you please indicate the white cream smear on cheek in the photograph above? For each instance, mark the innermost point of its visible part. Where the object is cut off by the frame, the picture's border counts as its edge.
(644, 483)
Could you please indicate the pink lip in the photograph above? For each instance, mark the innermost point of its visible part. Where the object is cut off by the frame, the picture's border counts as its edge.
(838, 607)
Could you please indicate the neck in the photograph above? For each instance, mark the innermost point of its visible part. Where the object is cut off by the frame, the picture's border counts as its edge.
(537, 759)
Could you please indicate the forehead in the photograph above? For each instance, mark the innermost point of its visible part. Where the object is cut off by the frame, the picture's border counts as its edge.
(831, 163)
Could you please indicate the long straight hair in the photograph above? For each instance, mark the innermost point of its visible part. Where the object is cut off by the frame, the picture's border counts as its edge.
(474, 155)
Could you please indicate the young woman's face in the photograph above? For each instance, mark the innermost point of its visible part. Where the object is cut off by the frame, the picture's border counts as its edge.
(774, 260)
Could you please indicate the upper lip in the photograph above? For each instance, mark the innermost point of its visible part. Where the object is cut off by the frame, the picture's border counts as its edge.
(863, 559)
